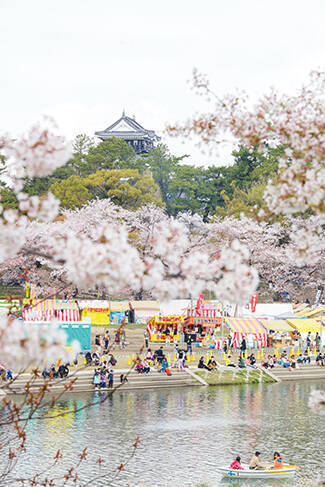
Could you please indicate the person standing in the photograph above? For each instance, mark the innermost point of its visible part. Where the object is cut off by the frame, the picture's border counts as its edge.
(243, 346)
(317, 341)
(146, 339)
(180, 361)
(189, 343)
(106, 340)
(110, 379)
(118, 337)
(167, 333)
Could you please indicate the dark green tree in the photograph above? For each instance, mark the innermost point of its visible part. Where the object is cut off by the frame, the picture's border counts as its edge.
(162, 166)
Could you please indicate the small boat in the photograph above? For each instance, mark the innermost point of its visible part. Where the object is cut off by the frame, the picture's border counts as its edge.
(287, 471)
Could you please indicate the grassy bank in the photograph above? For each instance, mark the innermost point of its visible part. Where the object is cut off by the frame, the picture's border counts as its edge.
(235, 376)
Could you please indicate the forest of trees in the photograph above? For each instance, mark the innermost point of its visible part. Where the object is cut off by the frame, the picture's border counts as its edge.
(111, 169)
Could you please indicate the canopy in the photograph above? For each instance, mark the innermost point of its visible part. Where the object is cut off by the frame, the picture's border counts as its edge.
(307, 312)
(277, 325)
(304, 325)
(246, 325)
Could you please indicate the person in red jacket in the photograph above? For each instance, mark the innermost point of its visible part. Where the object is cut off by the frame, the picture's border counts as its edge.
(236, 464)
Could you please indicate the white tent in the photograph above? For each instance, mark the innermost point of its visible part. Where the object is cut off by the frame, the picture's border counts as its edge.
(267, 310)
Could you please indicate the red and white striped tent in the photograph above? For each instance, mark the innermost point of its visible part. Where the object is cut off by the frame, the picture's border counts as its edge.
(45, 310)
(246, 326)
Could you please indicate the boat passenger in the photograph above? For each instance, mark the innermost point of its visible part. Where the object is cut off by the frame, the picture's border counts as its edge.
(278, 462)
(255, 463)
(236, 464)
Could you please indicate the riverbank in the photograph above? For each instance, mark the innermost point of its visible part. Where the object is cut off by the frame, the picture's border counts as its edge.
(190, 376)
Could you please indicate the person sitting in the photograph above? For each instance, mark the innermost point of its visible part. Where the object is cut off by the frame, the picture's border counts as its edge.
(300, 359)
(53, 373)
(212, 364)
(278, 462)
(255, 463)
(96, 359)
(235, 465)
(320, 359)
(63, 371)
(292, 363)
(88, 358)
(230, 362)
(306, 357)
(139, 367)
(202, 365)
(9, 375)
(123, 379)
(252, 361)
(241, 363)
(112, 361)
(149, 356)
(146, 367)
(45, 373)
(165, 366)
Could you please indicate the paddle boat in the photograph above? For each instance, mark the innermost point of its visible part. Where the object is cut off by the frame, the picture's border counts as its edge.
(288, 471)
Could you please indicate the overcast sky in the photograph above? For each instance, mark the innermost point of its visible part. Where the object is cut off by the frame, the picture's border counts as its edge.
(84, 61)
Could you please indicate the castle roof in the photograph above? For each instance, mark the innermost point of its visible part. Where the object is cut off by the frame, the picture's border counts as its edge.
(128, 129)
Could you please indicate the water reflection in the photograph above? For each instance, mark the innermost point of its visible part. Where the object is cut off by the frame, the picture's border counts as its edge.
(185, 433)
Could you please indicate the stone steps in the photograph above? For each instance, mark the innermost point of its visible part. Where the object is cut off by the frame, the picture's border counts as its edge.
(136, 381)
(306, 372)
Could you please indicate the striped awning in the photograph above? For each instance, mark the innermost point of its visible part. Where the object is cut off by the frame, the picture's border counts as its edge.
(308, 313)
(246, 325)
(277, 325)
(304, 325)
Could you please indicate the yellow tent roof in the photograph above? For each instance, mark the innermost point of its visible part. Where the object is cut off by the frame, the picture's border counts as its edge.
(305, 325)
(277, 325)
(311, 312)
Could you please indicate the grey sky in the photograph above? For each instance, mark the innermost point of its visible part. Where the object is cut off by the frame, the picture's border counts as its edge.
(83, 61)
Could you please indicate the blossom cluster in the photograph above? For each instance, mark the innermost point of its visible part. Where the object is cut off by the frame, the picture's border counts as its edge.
(32, 344)
(294, 122)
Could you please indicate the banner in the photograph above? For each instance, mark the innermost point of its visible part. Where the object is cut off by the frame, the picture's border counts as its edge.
(254, 302)
(318, 297)
(199, 304)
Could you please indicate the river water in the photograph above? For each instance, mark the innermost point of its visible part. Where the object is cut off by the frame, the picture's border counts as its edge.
(184, 434)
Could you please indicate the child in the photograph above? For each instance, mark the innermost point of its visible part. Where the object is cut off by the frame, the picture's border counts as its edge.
(236, 464)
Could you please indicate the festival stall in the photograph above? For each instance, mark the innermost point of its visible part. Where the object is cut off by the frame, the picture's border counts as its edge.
(158, 325)
(47, 309)
(201, 327)
(250, 328)
(304, 325)
(279, 332)
(277, 325)
(202, 321)
(95, 310)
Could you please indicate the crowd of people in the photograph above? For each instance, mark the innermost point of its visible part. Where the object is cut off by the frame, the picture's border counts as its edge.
(103, 378)
(105, 342)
